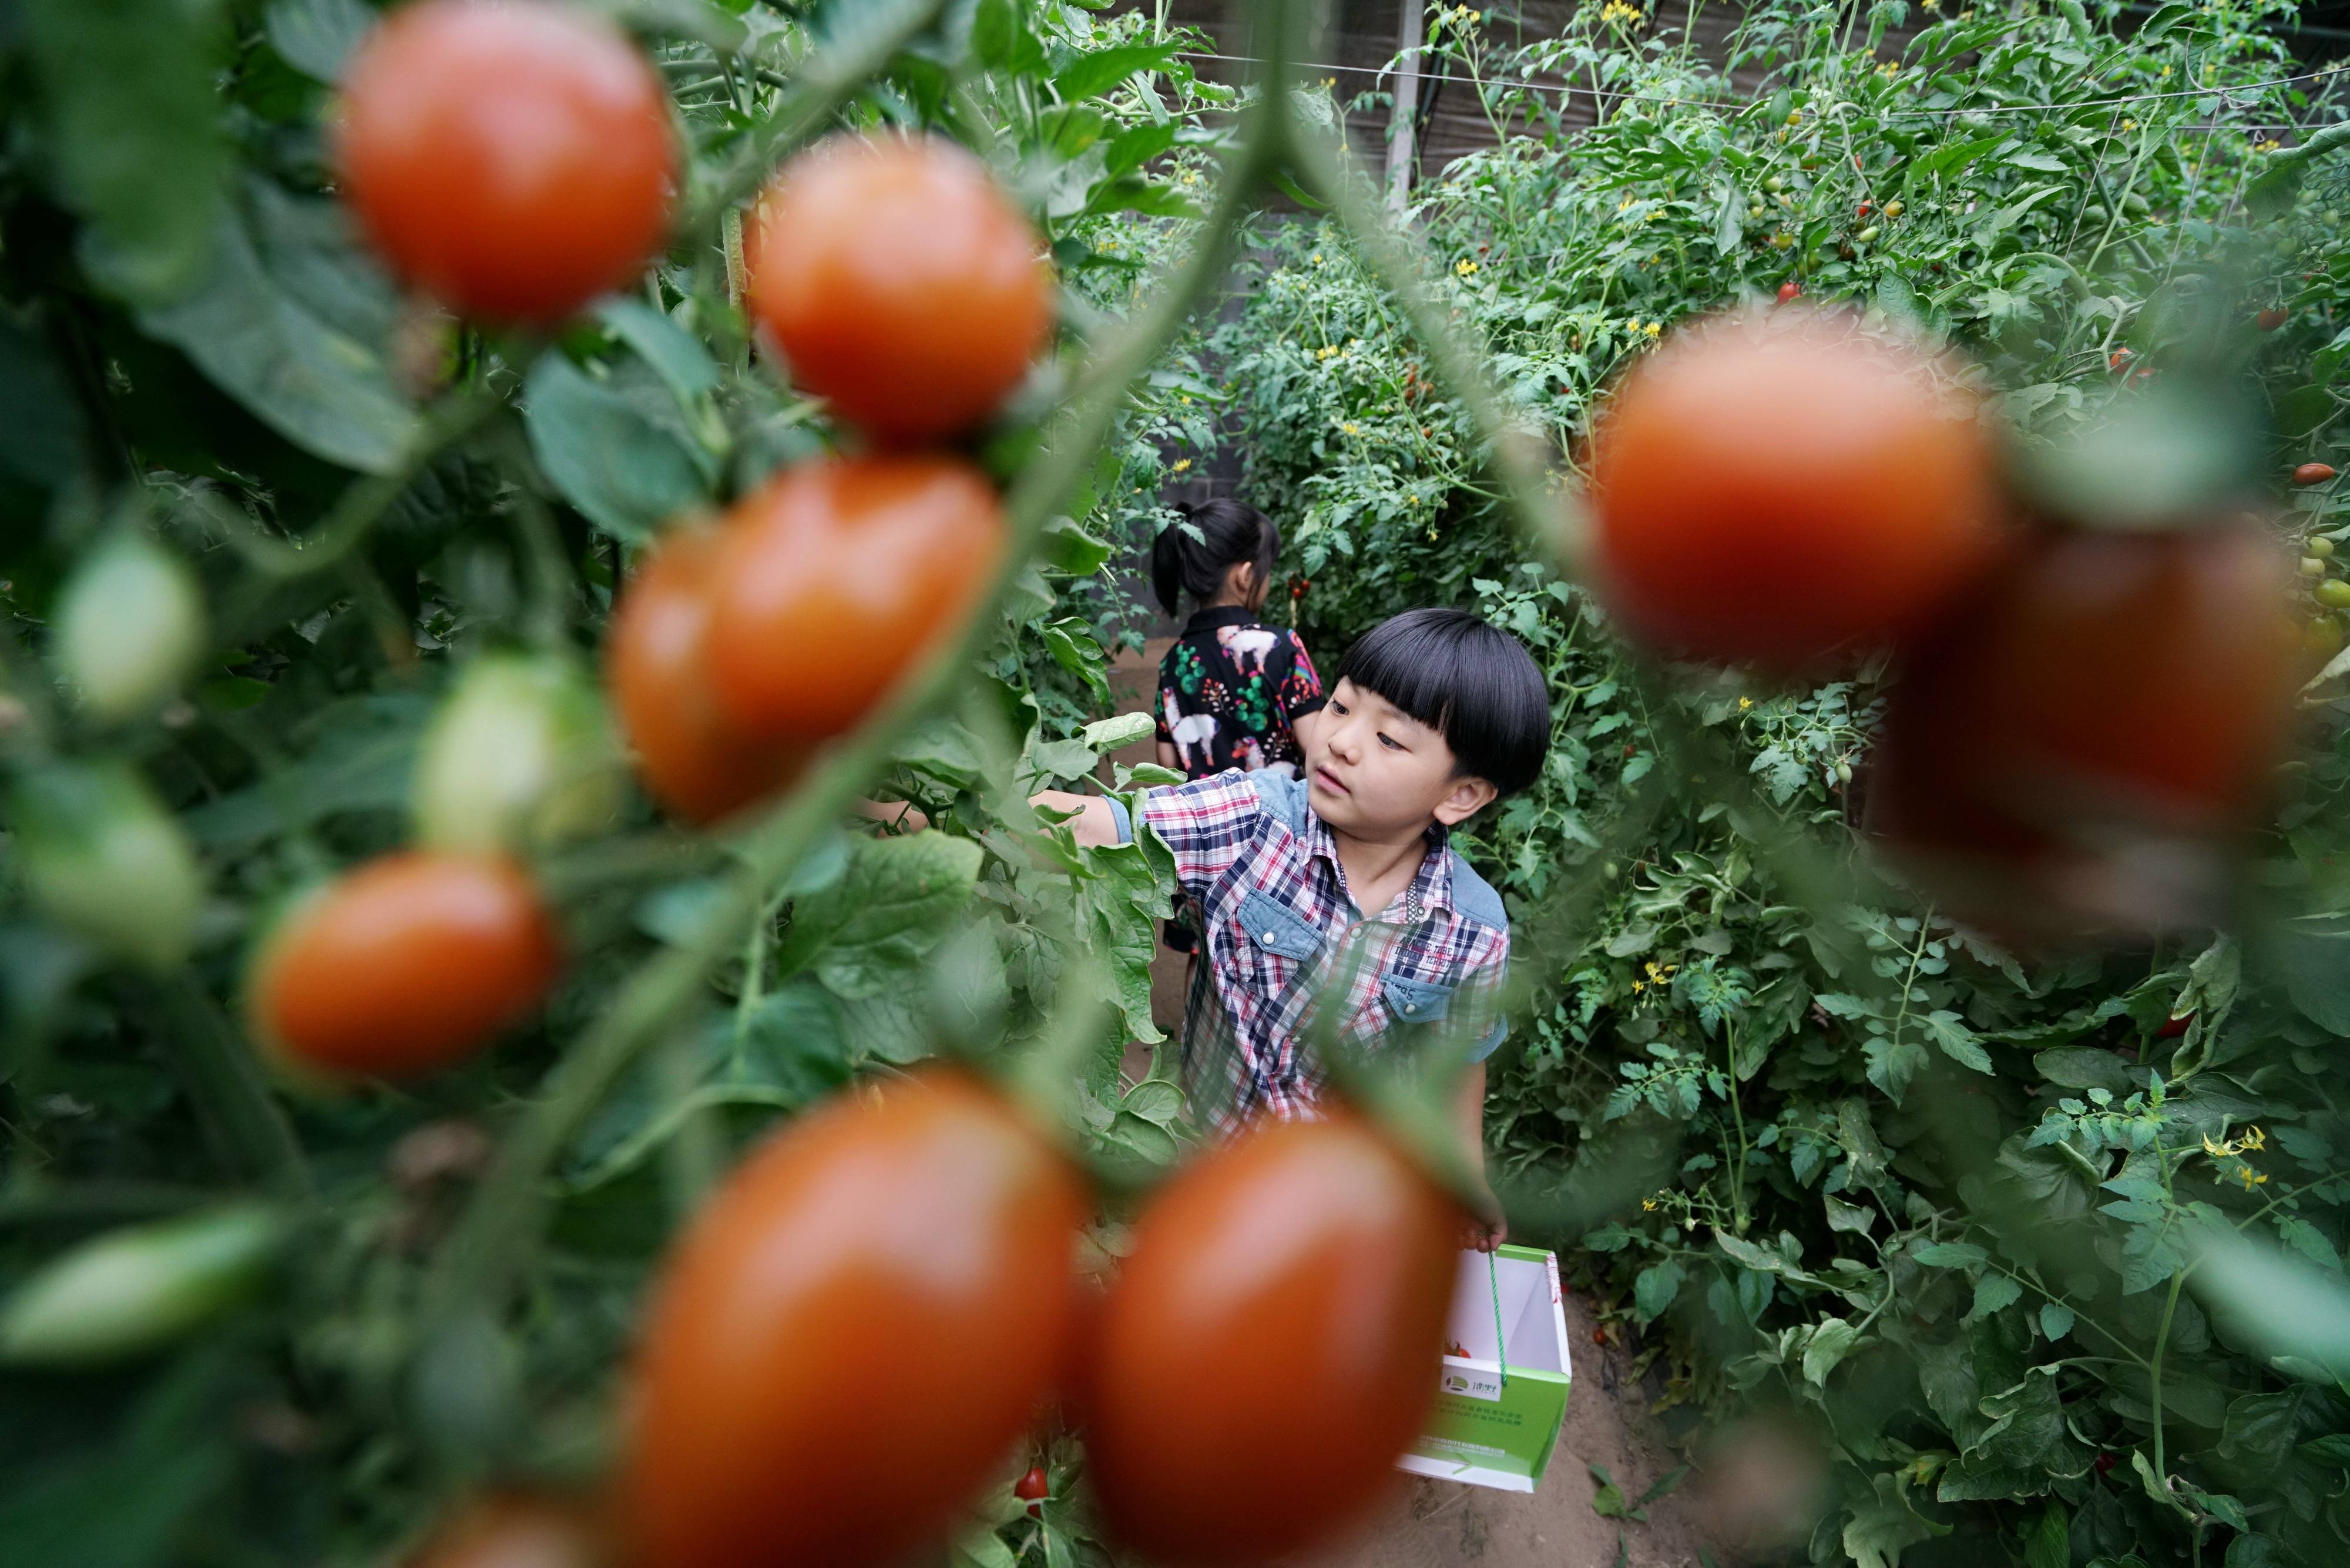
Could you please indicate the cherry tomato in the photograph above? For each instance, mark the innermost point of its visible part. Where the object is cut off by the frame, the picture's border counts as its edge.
(515, 1530)
(1790, 291)
(836, 578)
(2118, 359)
(2080, 743)
(2312, 474)
(1032, 1485)
(693, 759)
(1778, 490)
(2271, 319)
(853, 1333)
(408, 964)
(511, 158)
(2172, 1028)
(899, 283)
(1272, 1344)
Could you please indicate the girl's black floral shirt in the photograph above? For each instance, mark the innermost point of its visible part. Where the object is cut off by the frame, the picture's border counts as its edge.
(1229, 689)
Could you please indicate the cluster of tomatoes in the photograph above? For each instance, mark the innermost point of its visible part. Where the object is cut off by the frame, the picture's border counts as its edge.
(514, 159)
(860, 1325)
(2083, 720)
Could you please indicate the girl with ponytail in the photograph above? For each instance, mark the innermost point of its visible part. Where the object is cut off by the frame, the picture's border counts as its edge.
(1233, 691)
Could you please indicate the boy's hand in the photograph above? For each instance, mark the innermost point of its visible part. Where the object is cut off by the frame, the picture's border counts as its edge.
(1482, 1234)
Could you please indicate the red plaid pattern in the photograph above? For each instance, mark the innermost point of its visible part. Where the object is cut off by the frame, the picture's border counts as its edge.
(1280, 931)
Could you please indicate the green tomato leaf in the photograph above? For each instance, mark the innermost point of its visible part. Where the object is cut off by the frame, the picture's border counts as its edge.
(316, 36)
(135, 133)
(871, 929)
(286, 322)
(617, 447)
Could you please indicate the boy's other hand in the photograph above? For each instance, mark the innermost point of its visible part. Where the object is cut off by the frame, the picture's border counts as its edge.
(1482, 1234)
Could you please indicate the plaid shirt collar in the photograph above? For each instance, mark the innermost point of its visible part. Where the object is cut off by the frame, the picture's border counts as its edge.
(1432, 885)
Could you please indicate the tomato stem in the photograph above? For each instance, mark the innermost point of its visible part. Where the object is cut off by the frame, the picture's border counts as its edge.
(226, 1082)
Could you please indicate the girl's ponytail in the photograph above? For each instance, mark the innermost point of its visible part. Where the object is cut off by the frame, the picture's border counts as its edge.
(1229, 534)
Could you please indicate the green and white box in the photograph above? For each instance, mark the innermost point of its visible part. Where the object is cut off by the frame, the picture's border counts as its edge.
(1501, 1401)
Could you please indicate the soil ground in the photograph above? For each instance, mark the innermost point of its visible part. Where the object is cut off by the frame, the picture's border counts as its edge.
(1443, 1524)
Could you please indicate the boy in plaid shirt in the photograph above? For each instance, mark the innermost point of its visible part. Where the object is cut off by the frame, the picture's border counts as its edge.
(1346, 878)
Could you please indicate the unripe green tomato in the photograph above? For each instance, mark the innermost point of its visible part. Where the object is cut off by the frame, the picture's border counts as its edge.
(130, 624)
(2323, 636)
(2095, 213)
(103, 857)
(1774, 184)
(1892, 208)
(1843, 773)
(2320, 547)
(1753, 208)
(2313, 566)
(1781, 241)
(1866, 234)
(2333, 594)
(518, 757)
(135, 1289)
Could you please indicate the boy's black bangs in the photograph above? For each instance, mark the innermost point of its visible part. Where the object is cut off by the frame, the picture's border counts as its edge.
(1467, 680)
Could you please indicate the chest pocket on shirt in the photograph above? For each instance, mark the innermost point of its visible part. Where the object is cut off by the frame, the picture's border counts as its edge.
(1268, 926)
(1416, 1001)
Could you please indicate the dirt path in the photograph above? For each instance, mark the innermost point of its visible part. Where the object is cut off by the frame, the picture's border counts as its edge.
(1443, 1524)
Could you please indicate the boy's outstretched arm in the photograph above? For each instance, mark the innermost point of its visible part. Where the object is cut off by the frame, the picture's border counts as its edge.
(1095, 826)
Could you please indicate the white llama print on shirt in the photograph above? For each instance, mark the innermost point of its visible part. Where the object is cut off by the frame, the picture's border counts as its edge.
(1188, 730)
(1249, 646)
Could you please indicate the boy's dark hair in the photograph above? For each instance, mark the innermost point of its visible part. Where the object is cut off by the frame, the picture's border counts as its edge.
(1466, 679)
(1231, 534)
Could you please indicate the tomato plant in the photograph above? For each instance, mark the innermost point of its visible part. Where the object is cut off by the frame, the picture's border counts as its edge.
(404, 966)
(511, 158)
(835, 577)
(900, 283)
(1776, 492)
(853, 1332)
(1265, 1351)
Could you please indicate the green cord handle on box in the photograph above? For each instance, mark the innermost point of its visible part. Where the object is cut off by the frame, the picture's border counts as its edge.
(1500, 1349)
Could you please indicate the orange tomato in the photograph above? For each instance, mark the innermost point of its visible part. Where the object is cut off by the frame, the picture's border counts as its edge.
(692, 759)
(515, 1529)
(511, 158)
(900, 283)
(2081, 739)
(836, 578)
(406, 965)
(853, 1333)
(1271, 1345)
(1777, 490)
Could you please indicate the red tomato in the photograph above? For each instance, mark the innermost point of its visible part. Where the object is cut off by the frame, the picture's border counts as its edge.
(693, 759)
(899, 283)
(2172, 1028)
(1272, 1345)
(1777, 490)
(836, 578)
(1789, 291)
(2118, 359)
(1033, 1486)
(853, 1333)
(2273, 318)
(406, 965)
(519, 1530)
(511, 158)
(2078, 744)
(2312, 474)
